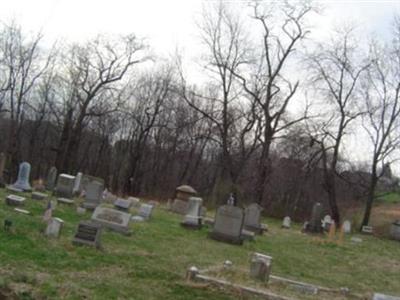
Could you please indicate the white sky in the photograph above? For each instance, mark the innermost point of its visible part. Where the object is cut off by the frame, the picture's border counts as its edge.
(168, 24)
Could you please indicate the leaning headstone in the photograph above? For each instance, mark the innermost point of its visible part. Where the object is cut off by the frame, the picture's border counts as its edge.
(252, 218)
(38, 196)
(88, 233)
(378, 296)
(112, 219)
(315, 225)
(2, 166)
(346, 226)
(260, 267)
(77, 184)
(123, 204)
(228, 224)
(51, 179)
(395, 230)
(286, 222)
(54, 227)
(367, 229)
(14, 200)
(145, 212)
(193, 216)
(93, 196)
(23, 177)
(65, 185)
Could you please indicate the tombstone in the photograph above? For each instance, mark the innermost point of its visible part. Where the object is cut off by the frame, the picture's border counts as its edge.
(134, 201)
(54, 227)
(93, 195)
(23, 177)
(327, 222)
(286, 222)
(38, 196)
(22, 211)
(252, 218)
(65, 201)
(395, 230)
(51, 179)
(367, 229)
(228, 225)
(77, 184)
(378, 296)
(193, 216)
(346, 226)
(14, 200)
(179, 207)
(2, 166)
(112, 219)
(203, 211)
(65, 185)
(13, 189)
(260, 267)
(87, 179)
(144, 214)
(123, 204)
(315, 225)
(88, 233)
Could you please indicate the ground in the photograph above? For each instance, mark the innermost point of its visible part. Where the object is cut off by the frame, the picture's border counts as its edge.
(152, 262)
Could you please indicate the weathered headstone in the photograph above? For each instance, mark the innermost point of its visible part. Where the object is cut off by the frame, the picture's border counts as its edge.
(54, 227)
(77, 184)
(13, 189)
(112, 219)
(179, 207)
(38, 196)
(228, 224)
(327, 222)
(14, 200)
(144, 214)
(93, 196)
(378, 296)
(22, 211)
(86, 179)
(51, 179)
(260, 266)
(23, 177)
(65, 185)
(395, 230)
(135, 201)
(252, 218)
(2, 166)
(123, 204)
(367, 229)
(193, 216)
(315, 225)
(286, 222)
(346, 226)
(88, 233)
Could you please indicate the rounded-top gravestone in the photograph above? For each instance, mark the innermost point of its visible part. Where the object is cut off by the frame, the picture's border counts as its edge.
(23, 177)
(184, 192)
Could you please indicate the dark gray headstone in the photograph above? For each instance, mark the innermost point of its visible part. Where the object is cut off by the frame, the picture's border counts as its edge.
(88, 233)
(252, 218)
(65, 185)
(51, 179)
(228, 224)
(93, 194)
(23, 177)
(315, 225)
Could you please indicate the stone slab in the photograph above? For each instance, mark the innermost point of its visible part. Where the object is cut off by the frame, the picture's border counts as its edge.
(22, 211)
(379, 296)
(14, 189)
(123, 204)
(112, 219)
(39, 196)
(65, 201)
(15, 200)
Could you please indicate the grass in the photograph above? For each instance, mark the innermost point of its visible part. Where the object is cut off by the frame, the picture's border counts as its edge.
(389, 198)
(152, 262)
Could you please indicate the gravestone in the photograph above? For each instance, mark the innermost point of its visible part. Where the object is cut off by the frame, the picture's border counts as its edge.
(135, 201)
(378, 296)
(38, 196)
(93, 195)
(260, 266)
(395, 230)
(123, 204)
(144, 214)
(252, 218)
(179, 207)
(65, 185)
(23, 177)
(367, 229)
(315, 224)
(65, 201)
(112, 219)
(327, 222)
(22, 211)
(13, 189)
(193, 216)
(88, 233)
(347, 226)
(87, 179)
(228, 224)
(51, 179)
(286, 222)
(54, 227)
(77, 184)
(14, 200)
(2, 166)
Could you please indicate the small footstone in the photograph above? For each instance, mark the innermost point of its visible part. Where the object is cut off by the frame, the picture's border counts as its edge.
(22, 211)
(65, 201)
(38, 196)
(15, 200)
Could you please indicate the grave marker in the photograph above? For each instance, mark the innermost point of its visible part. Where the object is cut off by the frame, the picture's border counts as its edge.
(23, 177)
(112, 219)
(228, 224)
(65, 185)
(51, 179)
(252, 218)
(54, 227)
(14, 200)
(88, 233)
(286, 222)
(193, 216)
(144, 214)
(93, 196)
(260, 266)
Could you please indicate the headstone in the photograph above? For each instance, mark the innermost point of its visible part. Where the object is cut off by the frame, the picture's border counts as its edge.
(88, 233)
(86, 179)
(305, 288)
(13, 189)
(346, 226)
(260, 267)
(54, 227)
(193, 216)
(367, 229)
(286, 222)
(93, 195)
(395, 230)
(38, 196)
(144, 214)
(14, 200)
(179, 207)
(326, 222)
(65, 185)
(2, 166)
(123, 204)
(315, 225)
(203, 211)
(77, 184)
(228, 224)
(65, 201)
(252, 218)
(378, 296)
(51, 179)
(23, 177)
(112, 219)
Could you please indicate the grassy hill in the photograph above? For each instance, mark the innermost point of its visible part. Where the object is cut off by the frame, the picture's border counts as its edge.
(152, 262)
